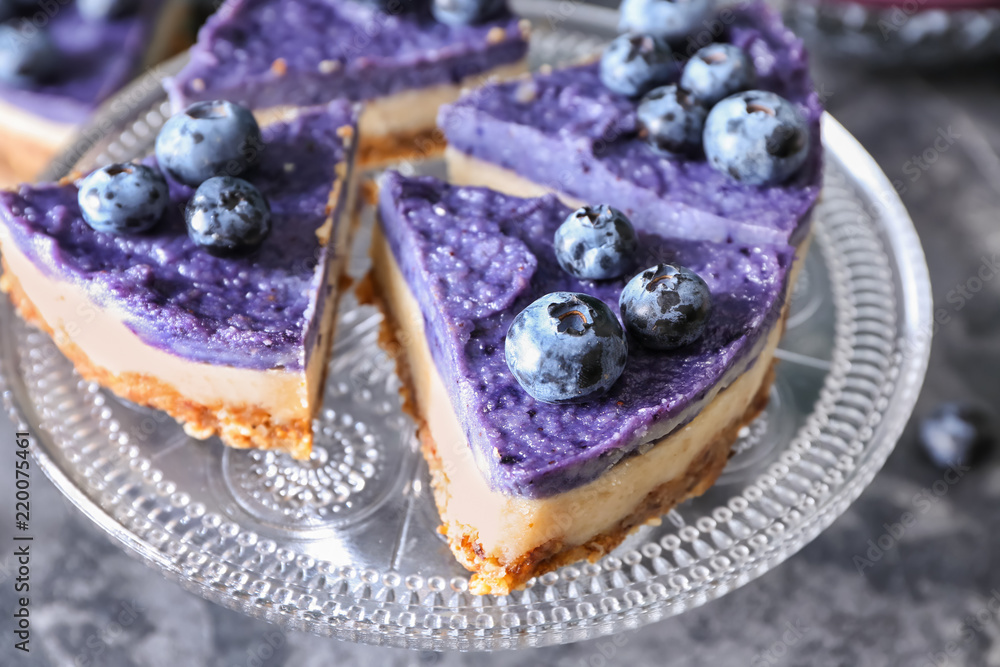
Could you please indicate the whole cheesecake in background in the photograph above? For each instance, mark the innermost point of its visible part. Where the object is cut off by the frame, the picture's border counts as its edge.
(235, 346)
(586, 145)
(524, 486)
(86, 58)
(401, 62)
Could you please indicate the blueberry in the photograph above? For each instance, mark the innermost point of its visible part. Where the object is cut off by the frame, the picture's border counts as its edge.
(465, 12)
(102, 10)
(955, 434)
(666, 307)
(566, 348)
(672, 120)
(27, 56)
(228, 216)
(635, 64)
(208, 139)
(596, 243)
(717, 71)
(123, 198)
(670, 20)
(756, 137)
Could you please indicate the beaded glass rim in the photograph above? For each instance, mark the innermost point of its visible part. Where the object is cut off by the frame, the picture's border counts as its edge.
(299, 544)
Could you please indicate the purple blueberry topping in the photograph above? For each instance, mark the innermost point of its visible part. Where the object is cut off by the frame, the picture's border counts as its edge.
(757, 138)
(596, 243)
(716, 72)
(666, 307)
(672, 120)
(228, 216)
(670, 20)
(634, 64)
(123, 198)
(208, 139)
(566, 348)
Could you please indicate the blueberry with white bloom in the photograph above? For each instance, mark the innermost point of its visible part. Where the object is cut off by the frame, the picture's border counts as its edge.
(103, 10)
(566, 348)
(634, 64)
(672, 120)
(208, 139)
(123, 198)
(669, 20)
(596, 243)
(716, 72)
(666, 307)
(228, 216)
(466, 12)
(757, 138)
(27, 56)
(955, 434)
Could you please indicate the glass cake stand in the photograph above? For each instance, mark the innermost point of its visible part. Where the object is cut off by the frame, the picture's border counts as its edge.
(345, 545)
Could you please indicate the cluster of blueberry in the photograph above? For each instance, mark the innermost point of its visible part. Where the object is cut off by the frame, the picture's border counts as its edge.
(27, 53)
(569, 347)
(451, 12)
(754, 136)
(205, 147)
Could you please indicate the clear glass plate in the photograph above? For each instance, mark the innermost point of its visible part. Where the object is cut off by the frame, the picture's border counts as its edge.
(345, 545)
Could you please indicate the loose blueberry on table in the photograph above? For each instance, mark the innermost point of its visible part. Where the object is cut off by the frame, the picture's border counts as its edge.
(566, 348)
(466, 12)
(228, 216)
(671, 120)
(596, 243)
(208, 139)
(27, 58)
(757, 137)
(123, 198)
(955, 434)
(666, 307)
(669, 20)
(635, 64)
(716, 72)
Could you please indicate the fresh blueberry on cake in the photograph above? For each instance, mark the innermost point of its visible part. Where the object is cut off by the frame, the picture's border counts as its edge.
(717, 71)
(123, 198)
(634, 64)
(671, 120)
(596, 243)
(403, 60)
(668, 20)
(666, 307)
(549, 434)
(217, 307)
(566, 348)
(590, 142)
(212, 138)
(757, 138)
(57, 67)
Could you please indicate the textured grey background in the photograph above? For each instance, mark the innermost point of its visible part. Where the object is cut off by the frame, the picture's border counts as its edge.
(924, 602)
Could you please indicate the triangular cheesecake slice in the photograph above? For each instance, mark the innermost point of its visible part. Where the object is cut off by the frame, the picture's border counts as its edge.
(399, 61)
(586, 143)
(230, 346)
(524, 486)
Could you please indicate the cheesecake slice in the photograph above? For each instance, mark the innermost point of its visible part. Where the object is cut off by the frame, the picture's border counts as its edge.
(401, 62)
(523, 486)
(234, 347)
(96, 58)
(586, 145)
